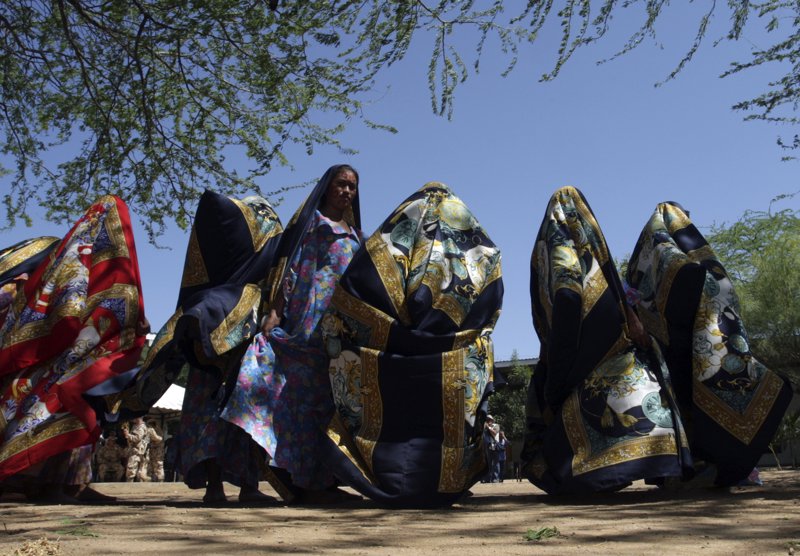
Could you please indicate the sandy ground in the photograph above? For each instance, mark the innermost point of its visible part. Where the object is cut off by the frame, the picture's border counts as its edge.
(168, 518)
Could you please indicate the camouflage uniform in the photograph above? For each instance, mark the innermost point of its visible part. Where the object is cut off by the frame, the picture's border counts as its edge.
(138, 441)
(155, 455)
(109, 461)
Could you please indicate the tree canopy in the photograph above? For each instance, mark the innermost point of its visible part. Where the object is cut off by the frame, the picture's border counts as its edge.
(761, 252)
(145, 98)
(507, 405)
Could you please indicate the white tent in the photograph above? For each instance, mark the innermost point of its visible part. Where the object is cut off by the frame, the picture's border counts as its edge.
(172, 400)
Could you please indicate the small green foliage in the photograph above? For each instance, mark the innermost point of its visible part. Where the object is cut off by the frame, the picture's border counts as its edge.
(541, 534)
(75, 528)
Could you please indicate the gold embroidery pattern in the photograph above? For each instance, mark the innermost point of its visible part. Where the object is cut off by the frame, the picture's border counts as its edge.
(115, 232)
(665, 286)
(130, 295)
(677, 219)
(378, 322)
(741, 426)
(495, 274)
(18, 444)
(449, 307)
(628, 450)
(36, 246)
(704, 253)
(248, 302)
(372, 421)
(584, 460)
(389, 275)
(464, 338)
(593, 289)
(164, 337)
(337, 432)
(252, 225)
(258, 236)
(602, 247)
(76, 309)
(451, 476)
(194, 271)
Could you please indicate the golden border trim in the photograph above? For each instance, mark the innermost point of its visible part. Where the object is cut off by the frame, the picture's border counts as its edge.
(35, 247)
(248, 302)
(18, 444)
(742, 426)
(372, 417)
(337, 432)
(452, 477)
(195, 272)
(389, 274)
(378, 321)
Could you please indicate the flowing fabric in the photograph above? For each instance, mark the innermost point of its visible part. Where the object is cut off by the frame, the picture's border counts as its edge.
(226, 275)
(232, 249)
(731, 403)
(282, 397)
(411, 354)
(601, 412)
(71, 326)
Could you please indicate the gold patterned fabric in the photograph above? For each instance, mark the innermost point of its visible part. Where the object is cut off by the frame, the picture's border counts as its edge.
(73, 329)
(600, 410)
(24, 257)
(731, 403)
(411, 353)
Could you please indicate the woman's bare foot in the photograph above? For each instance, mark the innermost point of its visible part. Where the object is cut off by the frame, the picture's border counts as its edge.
(253, 495)
(88, 494)
(215, 494)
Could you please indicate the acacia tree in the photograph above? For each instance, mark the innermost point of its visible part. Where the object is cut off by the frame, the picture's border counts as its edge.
(761, 252)
(144, 98)
(147, 96)
(507, 405)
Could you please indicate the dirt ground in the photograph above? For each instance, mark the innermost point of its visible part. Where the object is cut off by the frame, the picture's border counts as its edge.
(168, 518)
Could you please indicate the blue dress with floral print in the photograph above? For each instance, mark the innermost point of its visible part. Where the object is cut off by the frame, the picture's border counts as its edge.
(283, 395)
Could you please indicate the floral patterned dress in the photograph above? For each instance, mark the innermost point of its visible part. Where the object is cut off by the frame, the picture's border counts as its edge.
(283, 395)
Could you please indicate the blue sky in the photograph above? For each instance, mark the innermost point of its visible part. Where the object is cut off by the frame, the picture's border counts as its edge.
(512, 141)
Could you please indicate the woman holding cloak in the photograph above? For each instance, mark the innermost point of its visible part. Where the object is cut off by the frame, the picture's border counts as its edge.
(282, 397)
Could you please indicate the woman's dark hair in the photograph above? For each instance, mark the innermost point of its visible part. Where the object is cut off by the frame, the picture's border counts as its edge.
(345, 168)
(334, 171)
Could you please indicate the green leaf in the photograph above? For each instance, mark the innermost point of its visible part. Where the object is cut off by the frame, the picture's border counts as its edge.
(541, 534)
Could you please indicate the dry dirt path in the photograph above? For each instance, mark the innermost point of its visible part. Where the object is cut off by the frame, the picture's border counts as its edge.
(167, 518)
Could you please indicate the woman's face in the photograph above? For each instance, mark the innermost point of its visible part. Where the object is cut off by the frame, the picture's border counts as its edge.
(342, 190)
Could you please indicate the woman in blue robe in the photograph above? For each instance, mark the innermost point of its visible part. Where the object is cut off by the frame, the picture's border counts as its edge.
(282, 397)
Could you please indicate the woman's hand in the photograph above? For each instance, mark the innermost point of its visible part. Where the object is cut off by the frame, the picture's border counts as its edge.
(143, 327)
(638, 334)
(271, 321)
